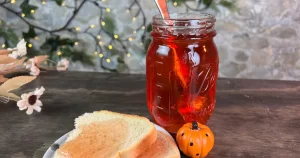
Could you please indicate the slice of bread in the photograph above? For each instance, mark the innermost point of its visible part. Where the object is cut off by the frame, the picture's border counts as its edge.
(164, 147)
(106, 134)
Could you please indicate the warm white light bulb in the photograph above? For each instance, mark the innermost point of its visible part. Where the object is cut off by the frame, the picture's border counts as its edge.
(134, 19)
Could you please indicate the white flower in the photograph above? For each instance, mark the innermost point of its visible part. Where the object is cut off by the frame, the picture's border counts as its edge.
(19, 51)
(13, 55)
(31, 65)
(30, 62)
(63, 65)
(21, 48)
(34, 71)
(30, 101)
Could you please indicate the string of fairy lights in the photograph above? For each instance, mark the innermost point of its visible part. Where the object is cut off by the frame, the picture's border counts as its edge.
(114, 37)
(98, 38)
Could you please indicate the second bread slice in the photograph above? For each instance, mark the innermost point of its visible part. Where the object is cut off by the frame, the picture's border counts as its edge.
(164, 147)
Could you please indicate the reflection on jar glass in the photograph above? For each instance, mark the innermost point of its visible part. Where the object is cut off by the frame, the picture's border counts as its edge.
(182, 69)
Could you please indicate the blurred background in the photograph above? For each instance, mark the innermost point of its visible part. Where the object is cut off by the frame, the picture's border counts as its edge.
(257, 39)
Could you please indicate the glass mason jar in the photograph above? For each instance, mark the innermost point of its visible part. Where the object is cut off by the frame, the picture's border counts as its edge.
(182, 69)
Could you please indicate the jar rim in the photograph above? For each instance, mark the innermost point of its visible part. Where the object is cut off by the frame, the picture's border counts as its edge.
(198, 24)
(186, 17)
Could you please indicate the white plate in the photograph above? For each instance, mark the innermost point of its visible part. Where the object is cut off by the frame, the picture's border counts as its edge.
(51, 150)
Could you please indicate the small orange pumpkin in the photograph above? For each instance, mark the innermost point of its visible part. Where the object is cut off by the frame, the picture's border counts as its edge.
(195, 139)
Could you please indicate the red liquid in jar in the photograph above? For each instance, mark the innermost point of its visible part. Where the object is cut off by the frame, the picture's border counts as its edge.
(181, 78)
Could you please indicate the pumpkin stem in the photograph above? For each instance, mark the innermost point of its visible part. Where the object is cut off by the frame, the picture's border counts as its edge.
(195, 125)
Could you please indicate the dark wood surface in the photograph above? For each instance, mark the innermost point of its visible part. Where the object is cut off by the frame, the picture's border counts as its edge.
(252, 118)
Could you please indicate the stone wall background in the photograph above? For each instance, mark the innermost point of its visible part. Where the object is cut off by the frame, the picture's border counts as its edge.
(259, 41)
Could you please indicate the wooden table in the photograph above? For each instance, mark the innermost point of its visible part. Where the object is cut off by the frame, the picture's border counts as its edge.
(252, 118)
